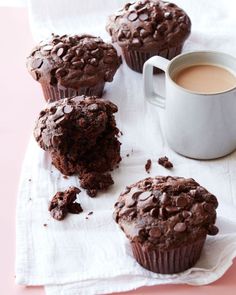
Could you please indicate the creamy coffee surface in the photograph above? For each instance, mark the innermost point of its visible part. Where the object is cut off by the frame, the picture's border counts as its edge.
(205, 78)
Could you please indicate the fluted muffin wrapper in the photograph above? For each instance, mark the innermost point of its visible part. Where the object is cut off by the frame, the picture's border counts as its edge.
(135, 59)
(53, 93)
(168, 261)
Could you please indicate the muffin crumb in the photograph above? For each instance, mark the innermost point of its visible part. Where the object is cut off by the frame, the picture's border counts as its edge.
(148, 165)
(164, 161)
(64, 202)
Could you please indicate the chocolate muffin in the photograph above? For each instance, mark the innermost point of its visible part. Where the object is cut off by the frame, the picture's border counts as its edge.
(167, 220)
(81, 135)
(67, 66)
(147, 28)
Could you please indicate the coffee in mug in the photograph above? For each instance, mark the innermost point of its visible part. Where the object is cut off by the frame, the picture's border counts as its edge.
(199, 104)
(205, 78)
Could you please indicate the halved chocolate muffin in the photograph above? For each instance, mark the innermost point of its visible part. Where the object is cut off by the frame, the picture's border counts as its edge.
(166, 220)
(80, 133)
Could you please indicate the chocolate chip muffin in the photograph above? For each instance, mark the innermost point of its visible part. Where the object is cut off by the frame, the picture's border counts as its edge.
(67, 66)
(81, 135)
(147, 28)
(167, 220)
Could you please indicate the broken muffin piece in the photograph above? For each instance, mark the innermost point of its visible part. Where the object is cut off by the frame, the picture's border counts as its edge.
(93, 181)
(64, 202)
(164, 161)
(81, 135)
(148, 165)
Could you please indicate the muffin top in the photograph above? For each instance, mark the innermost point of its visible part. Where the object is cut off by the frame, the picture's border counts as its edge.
(166, 212)
(73, 61)
(149, 25)
(73, 125)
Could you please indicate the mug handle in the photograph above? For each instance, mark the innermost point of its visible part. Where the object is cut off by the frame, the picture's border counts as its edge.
(149, 93)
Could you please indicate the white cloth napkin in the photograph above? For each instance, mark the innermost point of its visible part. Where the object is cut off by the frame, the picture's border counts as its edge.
(92, 256)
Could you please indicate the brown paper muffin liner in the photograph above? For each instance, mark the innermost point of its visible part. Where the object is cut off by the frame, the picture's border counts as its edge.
(135, 59)
(53, 93)
(170, 261)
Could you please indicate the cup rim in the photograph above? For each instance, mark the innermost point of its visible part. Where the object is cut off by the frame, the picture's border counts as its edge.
(195, 52)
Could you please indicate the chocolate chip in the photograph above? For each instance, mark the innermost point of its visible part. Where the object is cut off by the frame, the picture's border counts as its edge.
(147, 183)
(154, 212)
(119, 204)
(79, 51)
(170, 4)
(138, 5)
(61, 52)
(162, 28)
(136, 42)
(91, 45)
(125, 212)
(211, 199)
(126, 191)
(56, 40)
(67, 109)
(132, 16)
(36, 63)
(148, 204)
(143, 16)
(52, 110)
(93, 107)
(98, 53)
(108, 60)
(68, 57)
(144, 33)
(180, 227)
(213, 230)
(162, 212)
(183, 26)
(171, 209)
(47, 47)
(42, 113)
(142, 10)
(129, 201)
(181, 201)
(79, 64)
(144, 196)
(164, 198)
(156, 35)
(127, 5)
(182, 18)
(208, 207)
(186, 214)
(93, 62)
(136, 193)
(168, 15)
(61, 73)
(155, 232)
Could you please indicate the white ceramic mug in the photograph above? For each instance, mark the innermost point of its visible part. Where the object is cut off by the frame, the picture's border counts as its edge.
(200, 126)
